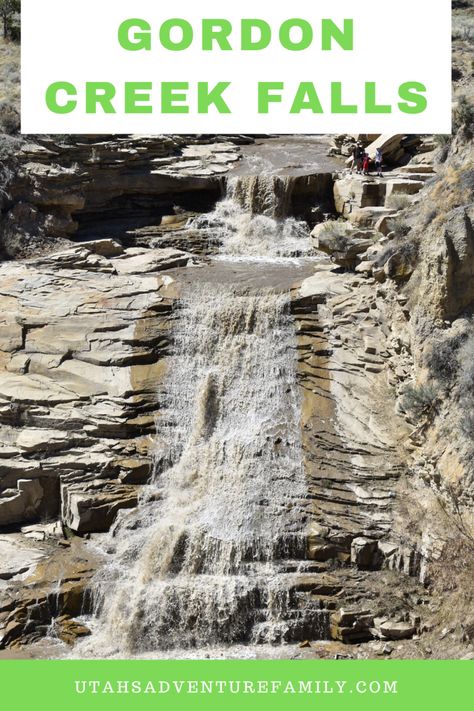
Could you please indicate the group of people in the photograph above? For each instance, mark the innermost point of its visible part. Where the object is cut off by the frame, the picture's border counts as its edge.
(361, 160)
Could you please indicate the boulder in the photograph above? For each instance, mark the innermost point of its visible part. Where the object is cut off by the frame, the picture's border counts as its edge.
(43, 531)
(69, 630)
(396, 630)
(76, 258)
(92, 507)
(368, 217)
(104, 247)
(23, 504)
(403, 187)
(399, 266)
(365, 267)
(383, 225)
(364, 553)
(351, 626)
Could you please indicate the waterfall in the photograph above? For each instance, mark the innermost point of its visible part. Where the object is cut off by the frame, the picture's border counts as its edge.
(263, 194)
(252, 221)
(215, 553)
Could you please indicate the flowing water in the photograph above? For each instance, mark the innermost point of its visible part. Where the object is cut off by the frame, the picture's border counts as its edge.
(216, 552)
(251, 221)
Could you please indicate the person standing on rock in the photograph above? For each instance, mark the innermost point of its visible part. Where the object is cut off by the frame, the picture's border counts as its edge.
(354, 158)
(378, 162)
(360, 157)
(366, 164)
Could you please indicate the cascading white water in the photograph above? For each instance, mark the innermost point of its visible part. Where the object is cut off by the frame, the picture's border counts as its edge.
(250, 220)
(206, 557)
(216, 552)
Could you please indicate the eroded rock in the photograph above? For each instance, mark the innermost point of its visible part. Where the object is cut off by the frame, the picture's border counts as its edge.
(82, 355)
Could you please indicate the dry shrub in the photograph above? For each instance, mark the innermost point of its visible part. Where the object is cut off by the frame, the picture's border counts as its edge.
(9, 118)
(398, 202)
(444, 357)
(451, 192)
(336, 235)
(420, 400)
(452, 574)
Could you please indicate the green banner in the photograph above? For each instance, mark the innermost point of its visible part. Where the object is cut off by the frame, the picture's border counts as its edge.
(70, 685)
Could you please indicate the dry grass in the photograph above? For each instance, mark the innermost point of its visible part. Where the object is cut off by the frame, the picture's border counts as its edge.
(463, 45)
(452, 577)
(9, 72)
(9, 87)
(398, 202)
(452, 191)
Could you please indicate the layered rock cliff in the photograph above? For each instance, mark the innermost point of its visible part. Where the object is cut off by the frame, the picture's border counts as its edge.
(383, 326)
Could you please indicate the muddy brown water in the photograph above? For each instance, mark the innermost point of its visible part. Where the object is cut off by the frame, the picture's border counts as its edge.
(277, 275)
(289, 156)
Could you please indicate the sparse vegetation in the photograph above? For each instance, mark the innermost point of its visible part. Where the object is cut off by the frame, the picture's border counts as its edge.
(420, 400)
(8, 149)
(451, 584)
(466, 366)
(463, 116)
(465, 33)
(453, 573)
(398, 226)
(10, 73)
(454, 189)
(9, 145)
(467, 418)
(336, 234)
(405, 249)
(443, 142)
(398, 202)
(9, 10)
(9, 118)
(442, 359)
(466, 387)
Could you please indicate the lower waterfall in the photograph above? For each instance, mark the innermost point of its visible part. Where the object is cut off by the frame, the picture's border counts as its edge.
(215, 553)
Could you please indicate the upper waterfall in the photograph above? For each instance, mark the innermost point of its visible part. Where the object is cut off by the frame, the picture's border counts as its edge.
(251, 219)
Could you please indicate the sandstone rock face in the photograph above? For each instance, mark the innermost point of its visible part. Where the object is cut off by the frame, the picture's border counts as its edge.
(343, 353)
(24, 504)
(447, 267)
(43, 588)
(351, 193)
(94, 187)
(81, 358)
(92, 506)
